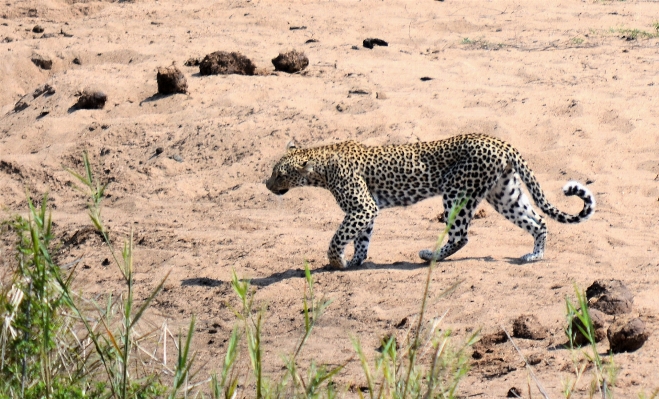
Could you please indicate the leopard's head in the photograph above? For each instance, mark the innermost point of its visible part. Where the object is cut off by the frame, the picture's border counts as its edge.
(292, 170)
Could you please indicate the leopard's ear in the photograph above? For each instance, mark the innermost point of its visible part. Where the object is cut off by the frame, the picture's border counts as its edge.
(292, 145)
(306, 168)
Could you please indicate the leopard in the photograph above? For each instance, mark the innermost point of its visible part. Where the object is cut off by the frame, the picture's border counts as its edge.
(463, 169)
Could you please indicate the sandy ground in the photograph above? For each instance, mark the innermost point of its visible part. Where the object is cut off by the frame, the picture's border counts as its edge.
(558, 80)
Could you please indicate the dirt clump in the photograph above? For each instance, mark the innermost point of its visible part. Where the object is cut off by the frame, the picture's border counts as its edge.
(171, 81)
(627, 333)
(44, 89)
(291, 61)
(224, 63)
(371, 42)
(42, 62)
(610, 296)
(599, 322)
(491, 358)
(91, 99)
(192, 62)
(527, 326)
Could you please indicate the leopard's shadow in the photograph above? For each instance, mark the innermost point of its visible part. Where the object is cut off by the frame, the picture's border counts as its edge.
(299, 273)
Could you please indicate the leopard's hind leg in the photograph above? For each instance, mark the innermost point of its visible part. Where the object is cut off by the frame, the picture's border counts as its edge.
(458, 189)
(508, 198)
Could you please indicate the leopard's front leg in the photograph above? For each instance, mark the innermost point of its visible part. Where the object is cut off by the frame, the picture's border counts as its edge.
(354, 198)
(356, 227)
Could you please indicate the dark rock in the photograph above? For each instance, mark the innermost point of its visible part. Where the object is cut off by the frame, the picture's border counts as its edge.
(37, 29)
(91, 100)
(8, 39)
(311, 41)
(599, 323)
(426, 78)
(297, 27)
(171, 80)
(223, 63)
(626, 334)
(42, 62)
(371, 42)
(291, 62)
(514, 393)
(610, 296)
(77, 61)
(527, 326)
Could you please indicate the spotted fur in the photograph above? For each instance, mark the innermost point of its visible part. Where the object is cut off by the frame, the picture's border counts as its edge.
(474, 167)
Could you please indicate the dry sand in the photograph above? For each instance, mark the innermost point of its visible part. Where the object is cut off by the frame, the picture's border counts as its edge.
(558, 80)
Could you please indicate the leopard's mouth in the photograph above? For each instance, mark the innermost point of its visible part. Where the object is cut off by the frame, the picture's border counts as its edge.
(281, 192)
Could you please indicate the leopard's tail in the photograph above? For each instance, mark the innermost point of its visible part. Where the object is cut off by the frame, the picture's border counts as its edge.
(571, 188)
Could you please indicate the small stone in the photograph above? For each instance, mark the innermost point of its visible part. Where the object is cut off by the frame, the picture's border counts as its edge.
(610, 296)
(91, 100)
(171, 81)
(626, 334)
(8, 39)
(534, 358)
(224, 63)
(480, 214)
(42, 62)
(527, 326)
(291, 62)
(514, 393)
(77, 61)
(37, 29)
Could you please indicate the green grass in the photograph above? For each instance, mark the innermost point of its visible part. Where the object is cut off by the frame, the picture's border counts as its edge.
(633, 33)
(604, 374)
(482, 44)
(577, 40)
(57, 343)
